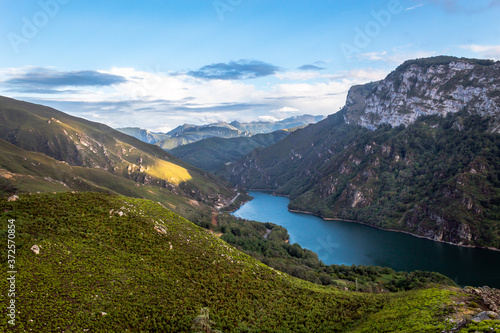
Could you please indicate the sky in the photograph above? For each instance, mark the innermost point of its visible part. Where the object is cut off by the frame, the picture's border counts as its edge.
(157, 64)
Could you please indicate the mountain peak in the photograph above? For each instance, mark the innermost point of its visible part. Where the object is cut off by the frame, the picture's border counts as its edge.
(428, 86)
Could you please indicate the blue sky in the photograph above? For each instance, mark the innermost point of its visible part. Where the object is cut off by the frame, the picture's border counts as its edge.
(160, 63)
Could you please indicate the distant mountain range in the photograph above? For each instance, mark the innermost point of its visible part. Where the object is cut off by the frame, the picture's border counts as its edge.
(417, 152)
(188, 133)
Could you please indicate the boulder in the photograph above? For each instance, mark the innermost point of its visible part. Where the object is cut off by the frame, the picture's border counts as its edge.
(36, 249)
(13, 198)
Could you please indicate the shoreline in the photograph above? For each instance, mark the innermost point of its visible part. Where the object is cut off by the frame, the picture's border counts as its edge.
(372, 226)
(393, 230)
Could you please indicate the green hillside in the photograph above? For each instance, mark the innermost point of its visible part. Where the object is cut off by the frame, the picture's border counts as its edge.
(114, 264)
(213, 153)
(42, 149)
(438, 177)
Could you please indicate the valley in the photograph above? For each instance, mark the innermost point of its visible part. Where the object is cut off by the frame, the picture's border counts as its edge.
(348, 243)
(430, 169)
(135, 237)
(107, 262)
(232, 166)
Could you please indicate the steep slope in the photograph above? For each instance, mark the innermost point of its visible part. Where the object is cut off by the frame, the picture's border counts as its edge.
(213, 153)
(81, 154)
(438, 85)
(398, 159)
(110, 263)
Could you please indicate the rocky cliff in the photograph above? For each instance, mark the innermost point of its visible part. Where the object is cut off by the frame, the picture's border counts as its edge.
(439, 85)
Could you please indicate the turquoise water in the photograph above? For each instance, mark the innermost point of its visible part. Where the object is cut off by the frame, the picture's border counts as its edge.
(339, 242)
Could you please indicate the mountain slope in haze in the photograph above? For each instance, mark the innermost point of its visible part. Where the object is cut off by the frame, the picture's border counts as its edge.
(188, 133)
(259, 127)
(213, 153)
(45, 149)
(110, 263)
(399, 163)
(143, 134)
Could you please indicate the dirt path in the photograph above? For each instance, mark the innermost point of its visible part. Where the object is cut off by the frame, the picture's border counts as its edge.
(214, 219)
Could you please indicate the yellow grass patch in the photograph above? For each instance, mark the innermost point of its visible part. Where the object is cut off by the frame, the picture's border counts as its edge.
(171, 172)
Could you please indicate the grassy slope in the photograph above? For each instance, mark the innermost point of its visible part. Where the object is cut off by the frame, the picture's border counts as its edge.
(83, 143)
(93, 261)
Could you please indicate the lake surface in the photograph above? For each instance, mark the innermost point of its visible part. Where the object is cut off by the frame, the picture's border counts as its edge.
(339, 242)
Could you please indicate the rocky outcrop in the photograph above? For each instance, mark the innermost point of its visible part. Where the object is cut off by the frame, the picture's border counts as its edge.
(440, 85)
(490, 297)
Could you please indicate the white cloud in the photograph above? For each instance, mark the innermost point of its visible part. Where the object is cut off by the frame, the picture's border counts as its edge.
(285, 109)
(396, 56)
(160, 101)
(367, 74)
(484, 51)
(268, 118)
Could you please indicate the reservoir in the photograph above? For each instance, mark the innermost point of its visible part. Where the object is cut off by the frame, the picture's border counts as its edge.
(348, 243)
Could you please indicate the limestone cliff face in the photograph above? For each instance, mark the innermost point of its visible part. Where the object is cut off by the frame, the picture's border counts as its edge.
(440, 85)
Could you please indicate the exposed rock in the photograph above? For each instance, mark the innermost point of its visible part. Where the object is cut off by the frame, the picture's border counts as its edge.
(411, 178)
(485, 315)
(160, 229)
(36, 249)
(13, 198)
(489, 296)
(418, 88)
